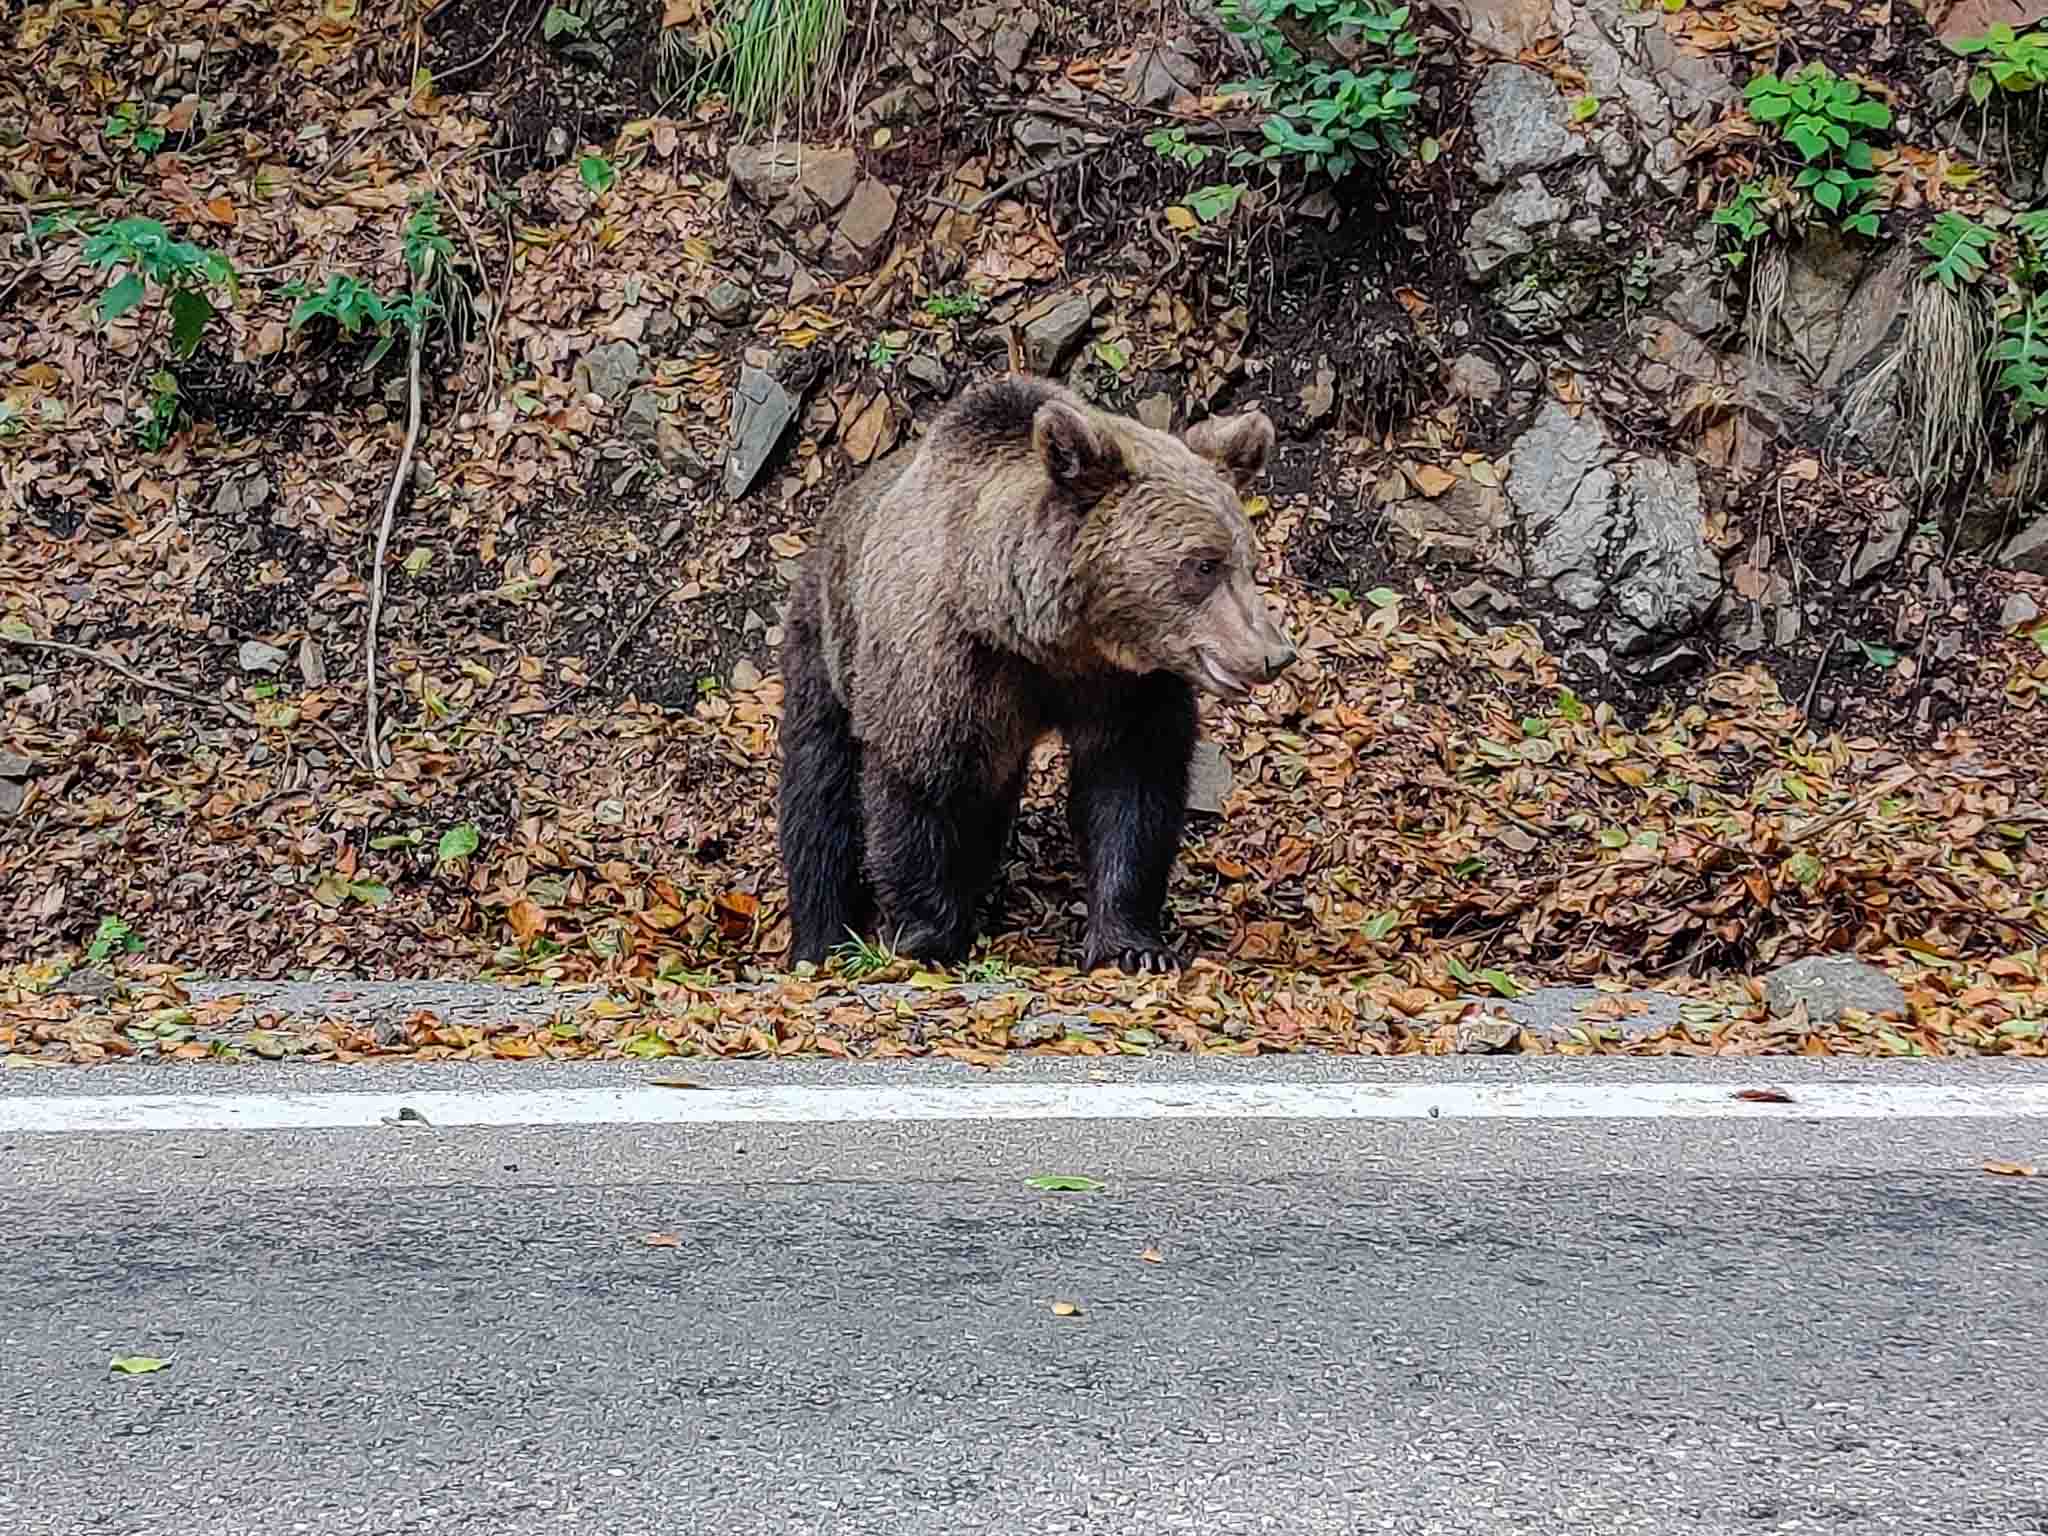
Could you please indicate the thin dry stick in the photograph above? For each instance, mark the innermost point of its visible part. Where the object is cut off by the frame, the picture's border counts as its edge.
(412, 437)
(1820, 667)
(1004, 189)
(140, 679)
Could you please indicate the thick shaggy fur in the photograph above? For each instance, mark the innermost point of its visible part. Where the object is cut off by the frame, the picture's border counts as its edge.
(1036, 565)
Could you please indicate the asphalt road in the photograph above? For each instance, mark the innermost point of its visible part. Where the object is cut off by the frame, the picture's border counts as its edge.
(1743, 1323)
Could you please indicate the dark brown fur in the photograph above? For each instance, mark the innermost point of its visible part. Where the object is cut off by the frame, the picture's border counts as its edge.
(1036, 565)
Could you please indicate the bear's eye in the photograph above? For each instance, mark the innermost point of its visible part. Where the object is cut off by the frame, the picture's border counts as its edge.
(1207, 568)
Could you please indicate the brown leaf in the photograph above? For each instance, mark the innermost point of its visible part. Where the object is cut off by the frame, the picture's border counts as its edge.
(2011, 1170)
(1153, 1256)
(662, 1240)
(1065, 1309)
(1762, 1095)
(1431, 480)
(736, 910)
(528, 921)
(873, 430)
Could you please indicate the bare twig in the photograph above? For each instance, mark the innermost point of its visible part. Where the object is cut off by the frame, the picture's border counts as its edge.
(1005, 188)
(412, 437)
(625, 638)
(1806, 704)
(140, 679)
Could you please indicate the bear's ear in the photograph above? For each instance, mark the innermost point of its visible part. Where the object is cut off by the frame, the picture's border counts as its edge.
(1077, 456)
(1238, 445)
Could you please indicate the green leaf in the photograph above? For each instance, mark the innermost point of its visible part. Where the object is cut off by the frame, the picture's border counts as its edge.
(1980, 88)
(1613, 837)
(1585, 107)
(458, 842)
(1383, 597)
(1381, 924)
(1878, 655)
(121, 298)
(369, 892)
(1769, 109)
(1073, 1183)
(190, 311)
(597, 173)
(1828, 195)
(1459, 970)
(1502, 983)
(1804, 868)
(137, 1365)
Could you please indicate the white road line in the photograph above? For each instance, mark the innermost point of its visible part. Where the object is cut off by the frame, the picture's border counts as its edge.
(1015, 1101)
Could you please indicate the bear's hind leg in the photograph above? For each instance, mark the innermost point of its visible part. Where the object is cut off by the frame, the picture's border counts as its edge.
(1126, 804)
(819, 815)
(931, 857)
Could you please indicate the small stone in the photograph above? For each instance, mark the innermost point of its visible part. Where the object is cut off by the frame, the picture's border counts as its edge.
(728, 302)
(1011, 44)
(862, 234)
(312, 664)
(1518, 117)
(2027, 550)
(241, 495)
(745, 675)
(1209, 778)
(255, 656)
(1474, 378)
(927, 372)
(762, 412)
(608, 371)
(13, 796)
(1485, 1034)
(1156, 412)
(1829, 984)
(1049, 338)
(14, 766)
(2019, 611)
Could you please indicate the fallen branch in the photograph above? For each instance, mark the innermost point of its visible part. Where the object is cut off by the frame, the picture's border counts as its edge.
(1005, 188)
(412, 437)
(140, 679)
(1820, 667)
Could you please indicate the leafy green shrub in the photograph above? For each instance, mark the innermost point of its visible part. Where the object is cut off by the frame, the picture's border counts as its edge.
(1328, 118)
(125, 125)
(2019, 355)
(143, 252)
(354, 308)
(1824, 117)
(1743, 217)
(1961, 249)
(2012, 61)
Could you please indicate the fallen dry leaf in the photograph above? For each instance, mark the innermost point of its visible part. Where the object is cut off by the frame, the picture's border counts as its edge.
(2011, 1170)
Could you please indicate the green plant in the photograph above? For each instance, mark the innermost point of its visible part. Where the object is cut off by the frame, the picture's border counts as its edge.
(597, 173)
(1172, 144)
(160, 421)
(955, 306)
(1213, 204)
(561, 21)
(354, 308)
(860, 957)
(1823, 117)
(1330, 119)
(125, 124)
(881, 355)
(114, 934)
(143, 252)
(2019, 355)
(1743, 217)
(775, 52)
(2013, 61)
(1961, 250)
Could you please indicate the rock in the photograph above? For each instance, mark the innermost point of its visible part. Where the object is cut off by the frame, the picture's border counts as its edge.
(1830, 984)
(905, 103)
(727, 302)
(770, 173)
(928, 373)
(862, 234)
(312, 662)
(1518, 117)
(1481, 601)
(1881, 544)
(1696, 303)
(608, 371)
(255, 656)
(745, 676)
(1474, 378)
(762, 412)
(1460, 527)
(1049, 338)
(1506, 226)
(1973, 18)
(2019, 611)
(1507, 26)
(1012, 43)
(1209, 778)
(14, 766)
(1156, 412)
(13, 796)
(1673, 579)
(2027, 550)
(1485, 1034)
(1591, 515)
(242, 495)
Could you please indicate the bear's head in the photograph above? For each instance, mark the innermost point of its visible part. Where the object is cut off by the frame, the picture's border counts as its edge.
(1165, 555)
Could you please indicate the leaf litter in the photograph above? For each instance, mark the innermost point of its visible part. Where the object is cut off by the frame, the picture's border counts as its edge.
(1419, 810)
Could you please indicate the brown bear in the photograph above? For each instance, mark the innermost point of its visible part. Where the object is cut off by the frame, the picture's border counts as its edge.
(1036, 565)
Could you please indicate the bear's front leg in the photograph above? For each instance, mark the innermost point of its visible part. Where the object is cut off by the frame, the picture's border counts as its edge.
(932, 853)
(1126, 805)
